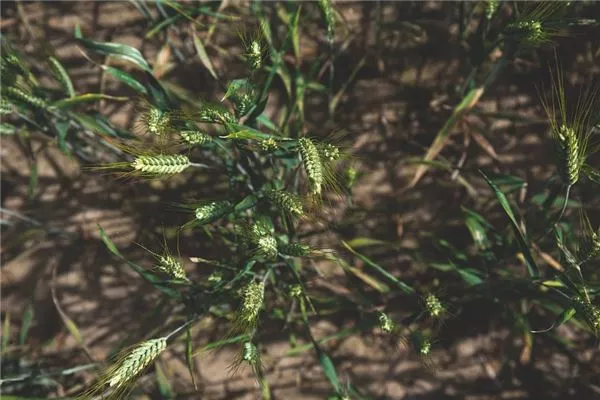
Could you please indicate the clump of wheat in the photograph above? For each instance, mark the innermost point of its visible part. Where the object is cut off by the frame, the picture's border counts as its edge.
(171, 266)
(195, 138)
(329, 13)
(161, 164)
(287, 202)
(209, 212)
(312, 164)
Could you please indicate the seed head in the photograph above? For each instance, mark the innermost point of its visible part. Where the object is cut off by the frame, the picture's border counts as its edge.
(490, 8)
(386, 324)
(268, 145)
(350, 176)
(7, 129)
(254, 54)
(5, 106)
(250, 353)
(589, 312)
(17, 94)
(195, 138)
(172, 267)
(210, 212)
(569, 155)
(425, 347)
(161, 164)
(312, 165)
(242, 93)
(136, 361)
(157, 121)
(533, 33)
(295, 249)
(215, 114)
(296, 291)
(252, 301)
(286, 202)
(215, 277)
(434, 306)
(266, 246)
(329, 152)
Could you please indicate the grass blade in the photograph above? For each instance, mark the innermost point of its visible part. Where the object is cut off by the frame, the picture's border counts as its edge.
(464, 106)
(532, 268)
(203, 56)
(400, 285)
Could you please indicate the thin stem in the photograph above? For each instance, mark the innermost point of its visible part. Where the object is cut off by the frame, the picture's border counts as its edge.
(182, 327)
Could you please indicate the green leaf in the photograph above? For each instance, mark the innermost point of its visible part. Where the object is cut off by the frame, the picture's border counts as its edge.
(126, 78)
(62, 129)
(470, 276)
(440, 140)
(116, 50)
(400, 285)
(532, 267)
(154, 280)
(565, 316)
(189, 355)
(85, 98)
(164, 386)
(159, 95)
(329, 369)
(475, 226)
(203, 56)
(99, 124)
(27, 320)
